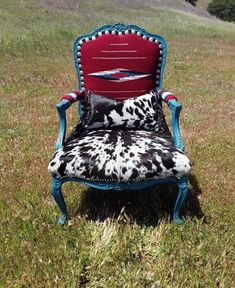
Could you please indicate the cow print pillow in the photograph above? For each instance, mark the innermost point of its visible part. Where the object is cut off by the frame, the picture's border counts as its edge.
(142, 112)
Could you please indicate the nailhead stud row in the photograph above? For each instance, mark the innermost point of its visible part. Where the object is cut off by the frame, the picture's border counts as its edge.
(113, 32)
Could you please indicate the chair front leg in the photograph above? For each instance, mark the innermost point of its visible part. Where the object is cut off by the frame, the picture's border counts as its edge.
(183, 192)
(56, 192)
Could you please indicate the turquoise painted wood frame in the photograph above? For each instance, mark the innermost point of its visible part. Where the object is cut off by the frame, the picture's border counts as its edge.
(175, 107)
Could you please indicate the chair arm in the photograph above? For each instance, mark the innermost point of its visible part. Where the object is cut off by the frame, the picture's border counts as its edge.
(66, 101)
(175, 107)
(175, 113)
(61, 107)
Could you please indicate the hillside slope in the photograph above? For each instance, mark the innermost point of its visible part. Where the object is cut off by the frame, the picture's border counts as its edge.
(179, 5)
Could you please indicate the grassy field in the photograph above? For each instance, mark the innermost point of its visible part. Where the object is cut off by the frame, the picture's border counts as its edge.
(114, 239)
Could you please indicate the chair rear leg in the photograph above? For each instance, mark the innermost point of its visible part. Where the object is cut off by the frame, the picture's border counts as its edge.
(183, 191)
(56, 192)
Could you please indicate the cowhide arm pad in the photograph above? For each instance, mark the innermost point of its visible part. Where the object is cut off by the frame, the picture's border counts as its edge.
(166, 96)
(73, 96)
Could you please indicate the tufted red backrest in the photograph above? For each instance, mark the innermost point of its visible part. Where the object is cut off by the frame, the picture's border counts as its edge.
(120, 61)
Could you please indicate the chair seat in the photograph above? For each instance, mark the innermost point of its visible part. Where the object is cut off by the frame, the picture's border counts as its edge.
(119, 156)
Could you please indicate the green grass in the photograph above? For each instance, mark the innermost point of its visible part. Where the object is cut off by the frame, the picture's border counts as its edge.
(114, 239)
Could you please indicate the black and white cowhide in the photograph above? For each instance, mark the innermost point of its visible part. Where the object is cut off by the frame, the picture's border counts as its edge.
(119, 156)
(142, 112)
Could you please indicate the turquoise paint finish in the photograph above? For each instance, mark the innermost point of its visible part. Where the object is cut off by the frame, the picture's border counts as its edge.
(183, 193)
(121, 185)
(175, 107)
(175, 114)
(61, 107)
(58, 196)
(56, 185)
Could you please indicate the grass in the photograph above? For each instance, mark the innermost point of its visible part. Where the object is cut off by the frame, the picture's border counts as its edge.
(114, 239)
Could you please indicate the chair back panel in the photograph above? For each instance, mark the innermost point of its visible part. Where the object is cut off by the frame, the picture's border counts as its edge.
(120, 61)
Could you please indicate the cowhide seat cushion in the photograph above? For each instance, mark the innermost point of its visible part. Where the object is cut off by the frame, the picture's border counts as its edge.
(119, 156)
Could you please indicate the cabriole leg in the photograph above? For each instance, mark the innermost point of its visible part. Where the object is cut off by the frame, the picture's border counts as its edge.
(183, 191)
(56, 191)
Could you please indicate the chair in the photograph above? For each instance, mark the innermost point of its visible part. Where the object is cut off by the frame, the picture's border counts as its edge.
(122, 140)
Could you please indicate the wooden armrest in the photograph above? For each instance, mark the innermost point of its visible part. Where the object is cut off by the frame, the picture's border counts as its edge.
(175, 113)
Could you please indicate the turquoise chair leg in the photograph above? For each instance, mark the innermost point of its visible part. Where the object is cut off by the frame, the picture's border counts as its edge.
(59, 199)
(183, 191)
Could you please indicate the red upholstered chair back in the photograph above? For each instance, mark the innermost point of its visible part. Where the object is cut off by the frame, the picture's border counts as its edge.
(120, 61)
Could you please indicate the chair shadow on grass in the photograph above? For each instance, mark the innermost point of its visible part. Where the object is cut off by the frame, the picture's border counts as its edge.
(144, 207)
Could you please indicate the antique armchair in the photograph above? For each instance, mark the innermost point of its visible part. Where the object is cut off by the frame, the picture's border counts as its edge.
(122, 140)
